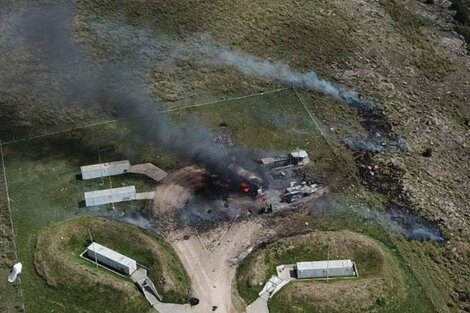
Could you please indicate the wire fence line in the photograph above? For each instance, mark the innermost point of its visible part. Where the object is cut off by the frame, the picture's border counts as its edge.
(15, 250)
(181, 108)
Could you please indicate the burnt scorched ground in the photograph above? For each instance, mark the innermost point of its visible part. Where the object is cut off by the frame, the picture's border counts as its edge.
(380, 136)
(387, 178)
(207, 204)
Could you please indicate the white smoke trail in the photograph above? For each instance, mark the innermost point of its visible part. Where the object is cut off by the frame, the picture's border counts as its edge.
(220, 55)
(204, 50)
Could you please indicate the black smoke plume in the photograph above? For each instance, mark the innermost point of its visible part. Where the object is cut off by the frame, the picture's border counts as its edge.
(121, 87)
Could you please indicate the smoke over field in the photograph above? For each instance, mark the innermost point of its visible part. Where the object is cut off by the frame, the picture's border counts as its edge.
(122, 84)
(119, 86)
(203, 51)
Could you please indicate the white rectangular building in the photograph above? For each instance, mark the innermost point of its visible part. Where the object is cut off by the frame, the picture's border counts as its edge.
(321, 269)
(113, 195)
(105, 169)
(110, 258)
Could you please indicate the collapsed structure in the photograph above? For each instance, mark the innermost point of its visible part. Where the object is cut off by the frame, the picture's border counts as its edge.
(249, 181)
(295, 158)
(296, 192)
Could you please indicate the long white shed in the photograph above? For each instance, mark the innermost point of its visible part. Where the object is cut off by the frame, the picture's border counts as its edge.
(110, 258)
(113, 195)
(320, 269)
(105, 169)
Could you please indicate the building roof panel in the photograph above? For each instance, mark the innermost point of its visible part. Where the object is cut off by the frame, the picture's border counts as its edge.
(110, 192)
(100, 166)
(111, 254)
(324, 264)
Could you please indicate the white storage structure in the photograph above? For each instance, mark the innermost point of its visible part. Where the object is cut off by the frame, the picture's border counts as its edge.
(111, 259)
(299, 157)
(321, 269)
(113, 195)
(105, 169)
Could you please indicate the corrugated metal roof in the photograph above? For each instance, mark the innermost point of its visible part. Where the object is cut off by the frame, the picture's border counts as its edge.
(101, 166)
(109, 192)
(111, 254)
(324, 264)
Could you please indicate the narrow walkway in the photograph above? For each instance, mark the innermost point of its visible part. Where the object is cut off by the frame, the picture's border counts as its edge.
(172, 307)
(145, 195)
(146, 285)
(150, 170)
(272, 286)
(260, 305)
(153, 297)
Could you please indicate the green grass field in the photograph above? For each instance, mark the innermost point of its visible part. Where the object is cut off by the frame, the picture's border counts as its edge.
(59, 245)
(373, 251)
(44, 190)
(10, 294)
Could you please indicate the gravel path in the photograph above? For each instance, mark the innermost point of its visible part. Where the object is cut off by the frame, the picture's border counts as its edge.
(211, 274)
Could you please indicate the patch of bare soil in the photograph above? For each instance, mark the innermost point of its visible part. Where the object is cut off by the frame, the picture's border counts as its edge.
(175, 190)
(208, 260)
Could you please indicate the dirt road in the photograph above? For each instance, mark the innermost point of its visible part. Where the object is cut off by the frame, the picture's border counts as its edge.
(209, 268)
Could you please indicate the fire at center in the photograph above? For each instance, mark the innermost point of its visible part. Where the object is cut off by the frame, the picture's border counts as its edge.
(275, 183)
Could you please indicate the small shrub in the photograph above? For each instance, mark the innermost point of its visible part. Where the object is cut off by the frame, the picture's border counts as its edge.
(427, 153)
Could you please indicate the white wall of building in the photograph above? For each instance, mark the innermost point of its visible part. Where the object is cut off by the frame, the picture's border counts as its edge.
(105, 169)
(106, 196)
(320, 269)
(112, 259)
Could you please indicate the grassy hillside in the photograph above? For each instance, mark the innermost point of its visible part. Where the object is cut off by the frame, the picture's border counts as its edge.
(383, 284)
(57, 261)
(396, 51)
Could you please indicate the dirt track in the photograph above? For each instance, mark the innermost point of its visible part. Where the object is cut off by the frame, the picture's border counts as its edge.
(212, 274)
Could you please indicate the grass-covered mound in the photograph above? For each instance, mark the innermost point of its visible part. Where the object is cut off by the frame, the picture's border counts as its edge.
(380, 286)
(57, 261)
